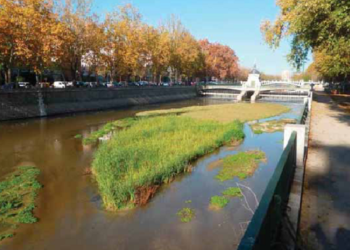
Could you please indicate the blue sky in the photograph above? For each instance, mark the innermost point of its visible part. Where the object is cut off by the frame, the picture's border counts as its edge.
(235, 23)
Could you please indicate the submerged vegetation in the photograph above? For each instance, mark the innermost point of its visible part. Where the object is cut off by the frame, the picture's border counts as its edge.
(225, 113)
(152, 151)
(241, 165)
(17, 195)
(271, 126)
(218, 202)
(78, 136)
(186, 214)
(108, 129)
(233, 192)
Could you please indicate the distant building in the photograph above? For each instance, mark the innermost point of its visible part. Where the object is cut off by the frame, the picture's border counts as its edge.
(254, 79)
(286, 76)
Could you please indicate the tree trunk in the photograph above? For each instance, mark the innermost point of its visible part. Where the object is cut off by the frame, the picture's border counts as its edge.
(7, 75)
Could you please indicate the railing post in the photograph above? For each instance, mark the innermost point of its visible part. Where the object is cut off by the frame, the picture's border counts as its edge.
(300, 151)
(310, 100)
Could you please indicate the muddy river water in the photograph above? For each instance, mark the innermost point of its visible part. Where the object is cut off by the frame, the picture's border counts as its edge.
(69, 207)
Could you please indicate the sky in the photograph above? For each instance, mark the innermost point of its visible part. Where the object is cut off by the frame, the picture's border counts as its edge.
(235, 23)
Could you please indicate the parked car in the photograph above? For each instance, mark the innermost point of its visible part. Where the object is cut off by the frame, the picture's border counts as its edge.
(123, 83)
(133, 84)
(92, 84)
(143, 83)
(70, 84)
(24, 85)
(102, 84)
(43, 85)
(8, 86)
(81, 84)
(165, 84)
(152, 83)
(59, 85)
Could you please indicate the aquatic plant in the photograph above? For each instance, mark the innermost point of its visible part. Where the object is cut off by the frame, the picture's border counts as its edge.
(107, 129)
(271, 126)
(241, 165)
(152, 151)
(233, 192)
(17, 195)
(78, 136)
(218, 202)
(186, 214)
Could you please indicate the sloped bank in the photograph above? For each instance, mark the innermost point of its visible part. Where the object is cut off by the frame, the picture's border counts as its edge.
(21, 104)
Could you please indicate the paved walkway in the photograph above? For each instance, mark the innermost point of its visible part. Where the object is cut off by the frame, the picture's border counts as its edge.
(325, 219)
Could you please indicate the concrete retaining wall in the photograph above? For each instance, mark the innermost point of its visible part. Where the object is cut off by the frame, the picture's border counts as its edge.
(19, 104)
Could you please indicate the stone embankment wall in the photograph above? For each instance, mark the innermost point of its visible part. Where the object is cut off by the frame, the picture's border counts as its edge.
(20, 104)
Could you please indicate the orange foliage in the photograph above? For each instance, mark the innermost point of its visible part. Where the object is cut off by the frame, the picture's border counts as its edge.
(221, 61)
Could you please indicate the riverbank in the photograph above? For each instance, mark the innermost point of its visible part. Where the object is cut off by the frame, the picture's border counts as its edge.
(325, 219)
(23, 104)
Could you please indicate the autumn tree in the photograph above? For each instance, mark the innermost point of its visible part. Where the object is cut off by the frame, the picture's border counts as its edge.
(67, 35)
(242, 74)
(221, 61)
(322, 26)
(124, 51)
(30, 35)
(185, 54)
(82, 34)
(157, 50)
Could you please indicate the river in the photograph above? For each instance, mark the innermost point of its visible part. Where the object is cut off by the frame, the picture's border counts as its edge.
(69, 207)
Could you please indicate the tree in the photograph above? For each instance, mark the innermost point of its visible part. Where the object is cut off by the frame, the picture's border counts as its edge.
(82, 34)
(220, 61)
(157, 50)
(30, 35)
(322, 26)
(124, 46)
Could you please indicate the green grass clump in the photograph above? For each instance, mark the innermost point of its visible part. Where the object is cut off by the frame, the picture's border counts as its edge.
(271, 126)
(17, 195)
(258, 131)
(78, 136)
(233, 192)
(152, 151)
(108, 128)
(189, 201)
(186, 214)
(6, 236)
(241, 165)
(218, 202)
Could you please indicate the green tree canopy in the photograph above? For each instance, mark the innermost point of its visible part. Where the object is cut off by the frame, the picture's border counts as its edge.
(322, 26)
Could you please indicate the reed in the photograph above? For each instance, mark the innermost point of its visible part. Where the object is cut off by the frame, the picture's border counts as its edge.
(151, 152)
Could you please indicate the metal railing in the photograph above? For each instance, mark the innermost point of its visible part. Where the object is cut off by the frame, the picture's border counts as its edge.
(262, 232)
(264, 229)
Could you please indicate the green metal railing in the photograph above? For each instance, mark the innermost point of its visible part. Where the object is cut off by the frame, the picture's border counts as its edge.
(263, 230)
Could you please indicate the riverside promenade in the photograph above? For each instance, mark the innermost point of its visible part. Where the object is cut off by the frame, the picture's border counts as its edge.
(325, 219)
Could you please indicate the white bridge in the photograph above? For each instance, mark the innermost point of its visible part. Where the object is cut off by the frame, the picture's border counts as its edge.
(255, 89)
(263, 90)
